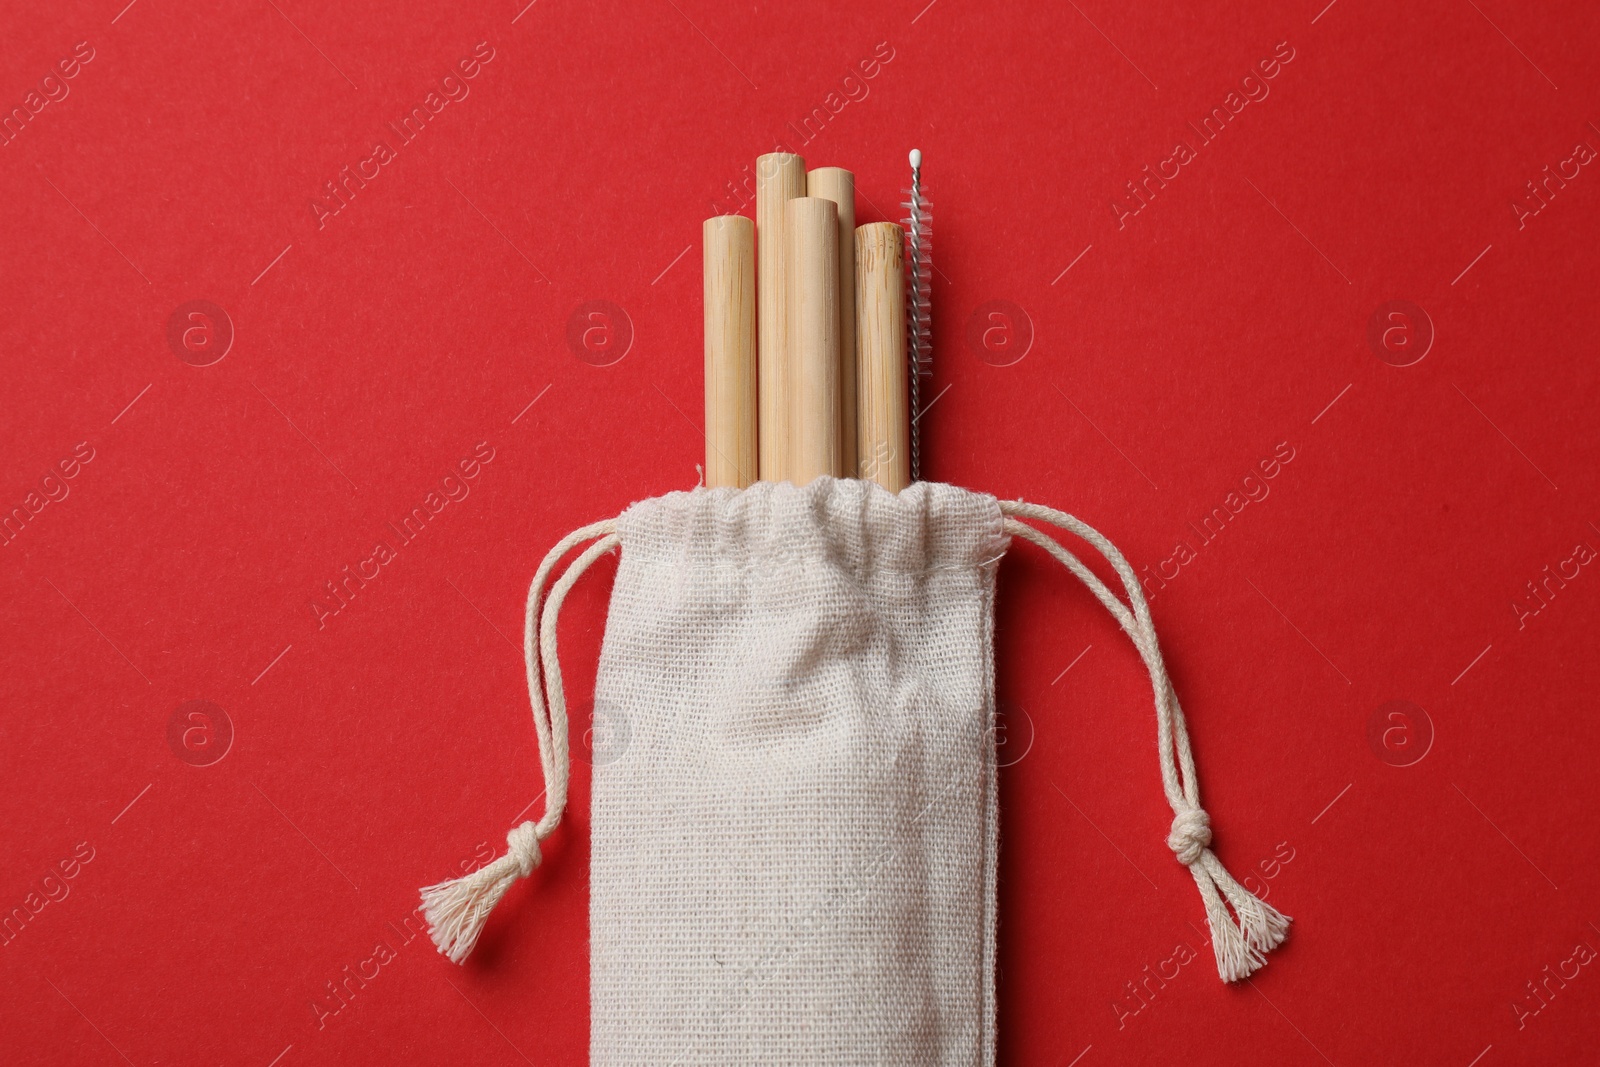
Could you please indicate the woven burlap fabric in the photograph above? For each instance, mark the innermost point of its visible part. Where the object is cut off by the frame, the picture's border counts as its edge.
(794, 812)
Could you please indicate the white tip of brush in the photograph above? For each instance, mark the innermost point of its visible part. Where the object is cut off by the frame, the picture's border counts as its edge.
(916, 158)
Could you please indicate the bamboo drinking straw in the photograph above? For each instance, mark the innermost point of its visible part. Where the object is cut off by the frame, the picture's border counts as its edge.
(780, 176)
(811, 280)
(730, 323)
(883, 424)
(839, 185)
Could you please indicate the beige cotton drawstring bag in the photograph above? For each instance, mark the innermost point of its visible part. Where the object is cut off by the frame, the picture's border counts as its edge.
(794, 853)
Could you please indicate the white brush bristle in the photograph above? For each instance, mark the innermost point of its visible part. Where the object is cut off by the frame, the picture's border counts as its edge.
(919, 285)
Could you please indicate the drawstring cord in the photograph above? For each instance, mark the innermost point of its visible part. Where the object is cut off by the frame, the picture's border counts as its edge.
(458, 909)
(1243, 938)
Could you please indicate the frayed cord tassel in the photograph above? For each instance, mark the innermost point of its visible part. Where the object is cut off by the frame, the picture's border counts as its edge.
(1240, 938)
(458, 909)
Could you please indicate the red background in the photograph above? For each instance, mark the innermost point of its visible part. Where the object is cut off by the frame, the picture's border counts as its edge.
(1185, 343)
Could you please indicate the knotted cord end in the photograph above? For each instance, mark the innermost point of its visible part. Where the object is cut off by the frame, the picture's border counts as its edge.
(1242, 936)
(1190, 835)
(458, 909)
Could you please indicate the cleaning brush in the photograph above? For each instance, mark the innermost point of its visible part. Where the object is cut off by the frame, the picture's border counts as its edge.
(919, 286)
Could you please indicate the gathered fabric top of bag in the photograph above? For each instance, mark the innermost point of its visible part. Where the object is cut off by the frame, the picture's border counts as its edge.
(855, 526)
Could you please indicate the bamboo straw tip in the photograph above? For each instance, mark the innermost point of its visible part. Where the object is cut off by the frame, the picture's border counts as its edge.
(879, 234)
(810, 205)
(830, 172)
(774, 163)
(723, 223)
